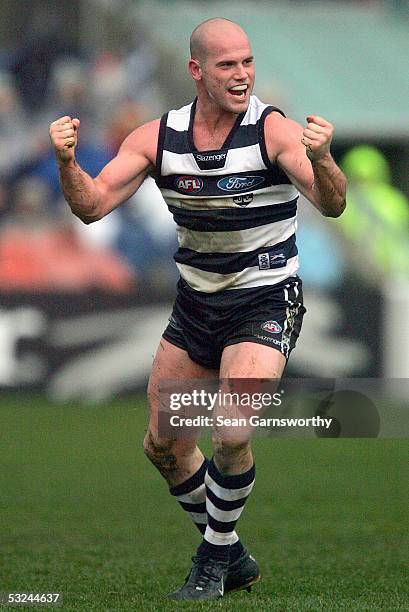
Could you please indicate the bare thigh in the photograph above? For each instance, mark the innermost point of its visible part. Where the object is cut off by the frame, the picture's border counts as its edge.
(251, 360)
(176, 458)
(245, 360)
(171, 363)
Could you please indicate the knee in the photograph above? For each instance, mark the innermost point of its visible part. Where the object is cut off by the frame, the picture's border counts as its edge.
(229, 451)
(155, 447)
(167, 454)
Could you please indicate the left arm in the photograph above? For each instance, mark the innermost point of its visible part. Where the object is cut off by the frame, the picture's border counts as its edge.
(304, 154)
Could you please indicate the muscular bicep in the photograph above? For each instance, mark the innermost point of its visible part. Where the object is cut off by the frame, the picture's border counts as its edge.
(291, 157)
(124, 174)
(120, 179)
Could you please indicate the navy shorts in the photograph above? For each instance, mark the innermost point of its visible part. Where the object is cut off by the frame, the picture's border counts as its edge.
(203, 324)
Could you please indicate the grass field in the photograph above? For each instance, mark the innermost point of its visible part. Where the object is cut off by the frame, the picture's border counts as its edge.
(83, 513)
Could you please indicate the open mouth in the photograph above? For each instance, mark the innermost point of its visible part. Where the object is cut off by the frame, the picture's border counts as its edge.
(239, 91)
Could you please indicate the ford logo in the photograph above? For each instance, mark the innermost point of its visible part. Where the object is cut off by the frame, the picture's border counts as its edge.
(239, 183)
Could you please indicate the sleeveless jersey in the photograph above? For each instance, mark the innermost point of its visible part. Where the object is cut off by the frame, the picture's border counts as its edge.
(235, 211)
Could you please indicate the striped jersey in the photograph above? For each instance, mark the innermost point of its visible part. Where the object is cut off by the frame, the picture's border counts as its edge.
(236, 212)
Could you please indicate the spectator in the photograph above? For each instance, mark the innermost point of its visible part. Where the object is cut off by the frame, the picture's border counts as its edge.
(17, 142)
(40, 250)
(44, 41)
(376, 221)
(69, 92)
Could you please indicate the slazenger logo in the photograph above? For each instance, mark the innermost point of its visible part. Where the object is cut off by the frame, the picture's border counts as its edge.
(268, 339)
(189, 183)
(239, 183)
(211, 157)
(272, 326)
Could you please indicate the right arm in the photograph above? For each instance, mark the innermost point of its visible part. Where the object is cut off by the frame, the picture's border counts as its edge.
(91, 199)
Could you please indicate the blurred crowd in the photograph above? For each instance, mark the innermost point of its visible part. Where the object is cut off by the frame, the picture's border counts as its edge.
(42, 245)
(370, 241)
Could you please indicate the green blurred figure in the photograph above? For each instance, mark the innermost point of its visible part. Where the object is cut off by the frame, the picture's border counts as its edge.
(376, 220)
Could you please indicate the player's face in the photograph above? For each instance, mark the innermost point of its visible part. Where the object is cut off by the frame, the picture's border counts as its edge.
(228, 75)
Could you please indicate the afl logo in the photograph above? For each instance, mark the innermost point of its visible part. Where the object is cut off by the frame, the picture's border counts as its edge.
(240, 183)
(189, 184)
(272, 326)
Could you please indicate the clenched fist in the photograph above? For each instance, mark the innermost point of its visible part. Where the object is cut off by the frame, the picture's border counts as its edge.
(63, 134)
(317, 137)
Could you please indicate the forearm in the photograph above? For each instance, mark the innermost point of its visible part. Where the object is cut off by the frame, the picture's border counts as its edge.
(329, 187)
(80, 191)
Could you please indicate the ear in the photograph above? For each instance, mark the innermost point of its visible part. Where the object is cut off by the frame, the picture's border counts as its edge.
(195, 70)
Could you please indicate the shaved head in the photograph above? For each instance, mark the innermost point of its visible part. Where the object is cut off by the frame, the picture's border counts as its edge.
(221, 64)
(208, 33)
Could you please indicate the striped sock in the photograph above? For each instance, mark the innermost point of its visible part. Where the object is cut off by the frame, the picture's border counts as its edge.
(225, 499)
(191, 495)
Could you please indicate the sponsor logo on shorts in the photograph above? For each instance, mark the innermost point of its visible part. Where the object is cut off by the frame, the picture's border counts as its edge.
(268, 339)
(240, 183)
(243, 200)
(272, 327)
(189, 184)
(173, 323)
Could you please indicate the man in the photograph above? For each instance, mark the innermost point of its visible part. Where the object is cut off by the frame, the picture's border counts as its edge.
(229, 168)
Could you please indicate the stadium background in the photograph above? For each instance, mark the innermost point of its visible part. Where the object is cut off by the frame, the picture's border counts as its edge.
(82, 307)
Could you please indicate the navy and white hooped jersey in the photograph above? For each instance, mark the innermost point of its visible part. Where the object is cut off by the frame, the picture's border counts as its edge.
(236, 212)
